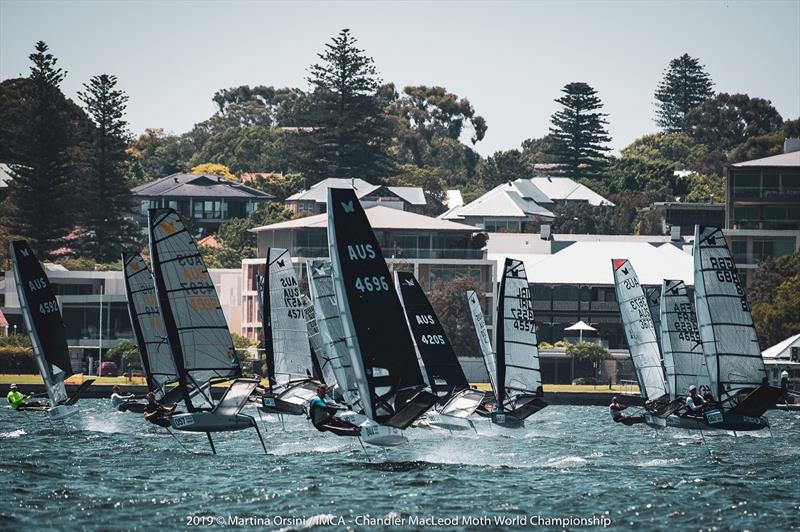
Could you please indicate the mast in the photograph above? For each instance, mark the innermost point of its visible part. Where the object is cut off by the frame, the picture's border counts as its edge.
(42, 316)
(436, 355)
(266, 326)
(639, 330)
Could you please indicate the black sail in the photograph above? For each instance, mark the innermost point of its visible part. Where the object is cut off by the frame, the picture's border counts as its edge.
(383, 351)
(46, 326)
(440, 361)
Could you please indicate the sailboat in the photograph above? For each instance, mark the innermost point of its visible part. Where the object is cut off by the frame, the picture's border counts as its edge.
(151, 336)
(643, 345)
(514, 367)
(440, 367)
(332, 334)
(323, 367)
(653, 296)
(196, 331)
(389, 380)
(289, 363)
(736, 371)
(42, 316)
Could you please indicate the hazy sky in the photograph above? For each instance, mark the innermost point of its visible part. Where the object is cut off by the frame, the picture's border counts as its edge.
(510, 59)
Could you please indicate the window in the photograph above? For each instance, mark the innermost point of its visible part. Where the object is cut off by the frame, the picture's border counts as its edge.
(149, 204)
(210, 210)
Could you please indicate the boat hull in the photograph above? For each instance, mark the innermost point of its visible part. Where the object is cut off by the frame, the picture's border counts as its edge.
(61, 412)
(505, 420)
(726, 421)
(210, 422)
(436, 420)
(374, 433)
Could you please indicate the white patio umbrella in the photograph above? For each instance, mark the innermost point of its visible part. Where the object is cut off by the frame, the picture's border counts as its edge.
(580, 326)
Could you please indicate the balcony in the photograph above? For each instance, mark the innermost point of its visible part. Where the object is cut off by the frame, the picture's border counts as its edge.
(405, 253)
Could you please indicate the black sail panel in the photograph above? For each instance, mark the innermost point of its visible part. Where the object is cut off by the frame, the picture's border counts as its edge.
(43, 311)
(441, 363)
(382, 340)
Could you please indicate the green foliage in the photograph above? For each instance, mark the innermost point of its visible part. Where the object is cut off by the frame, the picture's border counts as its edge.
(351, 134)
(779, 318)
(279, 185)
(587, 355)
(727, 120)
(105, 196)
(540, 150)
(706, 188)
(770, 274)
(676, 149)
(157, 154)
(240, 342)
(213, 169)
(578, 131)
(583, 218)
(652, 177)
(649, 222)
(561, 344)
(685, 85)
(42, 199)
(17, 360)
(237, 241)
(125, 354)
(503, 167)
(758, 147)
(545, 345)
(15, 340)
(247, 149)
(451, 306)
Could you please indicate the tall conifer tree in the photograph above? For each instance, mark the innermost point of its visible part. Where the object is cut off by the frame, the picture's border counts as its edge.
(106, 198)
(578, 132)
(686, 85)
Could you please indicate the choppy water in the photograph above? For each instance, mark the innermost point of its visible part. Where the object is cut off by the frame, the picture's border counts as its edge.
(112, 471)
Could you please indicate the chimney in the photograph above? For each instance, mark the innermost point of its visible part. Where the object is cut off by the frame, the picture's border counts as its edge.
(675, 233)
(791, 144)
(176, 179)
(544, 232)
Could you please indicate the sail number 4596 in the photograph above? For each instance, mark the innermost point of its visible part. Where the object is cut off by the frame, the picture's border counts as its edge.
(372, 284)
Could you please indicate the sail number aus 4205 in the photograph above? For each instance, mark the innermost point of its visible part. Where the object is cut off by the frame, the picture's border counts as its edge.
(432, 339)
(372, 284)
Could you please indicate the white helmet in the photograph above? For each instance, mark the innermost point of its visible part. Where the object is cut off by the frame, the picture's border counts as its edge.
(13, 386)
(692, 388)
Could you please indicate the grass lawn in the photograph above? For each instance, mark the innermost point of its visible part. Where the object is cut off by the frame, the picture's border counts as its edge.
(575, 388)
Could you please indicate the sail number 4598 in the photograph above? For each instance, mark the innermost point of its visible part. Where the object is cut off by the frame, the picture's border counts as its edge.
(372, 284)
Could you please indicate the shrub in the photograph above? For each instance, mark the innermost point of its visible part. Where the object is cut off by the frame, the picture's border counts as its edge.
(18, 360)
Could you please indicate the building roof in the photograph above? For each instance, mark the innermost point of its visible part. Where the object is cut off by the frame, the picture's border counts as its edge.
(379, 217)
(781, 160)
(564, 188)
(589, 263)
(319, 191)
(517, 199)
(5, 175)
(198, 186)
(782, 348)
(210, 241)
(3, 320)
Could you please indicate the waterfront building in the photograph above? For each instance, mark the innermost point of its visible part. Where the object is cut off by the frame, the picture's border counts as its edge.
(785, 355)
(314, 200)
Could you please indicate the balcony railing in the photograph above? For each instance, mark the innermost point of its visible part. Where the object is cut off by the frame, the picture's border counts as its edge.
(404, 253)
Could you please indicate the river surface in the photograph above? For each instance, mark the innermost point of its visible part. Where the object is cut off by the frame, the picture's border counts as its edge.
(113, 471)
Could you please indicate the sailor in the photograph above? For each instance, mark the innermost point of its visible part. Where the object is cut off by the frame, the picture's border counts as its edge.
(707, 397)
(323, 415)
(156, 413)
(319, 401)
(19, 401)
(616, 409)
(694, 403)
(784, 380)
(116, 398)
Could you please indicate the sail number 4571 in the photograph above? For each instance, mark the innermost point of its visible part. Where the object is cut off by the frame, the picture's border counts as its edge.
(372, 284)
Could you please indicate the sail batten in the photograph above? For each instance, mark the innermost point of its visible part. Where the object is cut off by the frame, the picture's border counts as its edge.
(639, 331)
(729, 340)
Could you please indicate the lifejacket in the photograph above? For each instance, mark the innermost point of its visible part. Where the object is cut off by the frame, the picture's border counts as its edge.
(697, 400)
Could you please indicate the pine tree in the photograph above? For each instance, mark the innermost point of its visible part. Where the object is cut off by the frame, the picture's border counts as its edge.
(40, 203)
(106, 198)
(351, 134)
(579, 132)
(686, 85)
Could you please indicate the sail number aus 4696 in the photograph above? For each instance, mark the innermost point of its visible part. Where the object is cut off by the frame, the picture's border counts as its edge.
(372, 284)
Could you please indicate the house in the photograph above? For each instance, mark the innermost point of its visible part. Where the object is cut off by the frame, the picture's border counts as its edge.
(434, 250)
(785, 355)
(683, 216)
(514, 207)
(566, 190)
(207, 200)
(313, 200)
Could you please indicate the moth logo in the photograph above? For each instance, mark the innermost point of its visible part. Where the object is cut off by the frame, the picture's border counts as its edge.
(625, 271)
(168, 228)
(348, 207)
(281, 263)
(712, 240)
(409, 282)
(319, 272)
(135, 266)
(24, 252)
(674, 290)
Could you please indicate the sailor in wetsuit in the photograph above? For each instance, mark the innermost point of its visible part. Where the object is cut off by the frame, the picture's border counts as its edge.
(156, 413)
(117, 399)
(694, 403)
(616, 409)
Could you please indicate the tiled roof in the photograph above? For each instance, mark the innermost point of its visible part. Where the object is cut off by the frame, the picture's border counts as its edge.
(319, 191)
(198, 186)
(564, 188)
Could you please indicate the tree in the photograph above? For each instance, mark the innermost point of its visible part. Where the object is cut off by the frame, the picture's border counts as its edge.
(279, 185)
(649, 222)
(765, 145)
(41, 197)
(706, 188)
(676, 149)
(540, 150)
(588, 356)
(236, 239)
(158, 154)
(770, 274)
(578, 130)
(656, 179)
(350, 135)
(584, 218)
(503, 167)
(247, 149)
(449, 301)
(779, 318)
(727, 120)
(125, 354)
(213, 169)
(685, 85)
(106, 198)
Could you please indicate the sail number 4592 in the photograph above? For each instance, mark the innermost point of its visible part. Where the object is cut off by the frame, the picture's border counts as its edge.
(372, 284)
(48, 307)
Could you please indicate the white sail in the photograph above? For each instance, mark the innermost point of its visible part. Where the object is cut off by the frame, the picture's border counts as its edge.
(732, 354)
(151, 335)
(329, 321)
(653, 296)
(290, 346)
(196, 328)
(317, 343)
(680, 341)
(639, 330)
(484, 341)
(517, 349)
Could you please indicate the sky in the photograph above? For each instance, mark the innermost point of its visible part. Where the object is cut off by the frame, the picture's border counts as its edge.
(509, 59)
